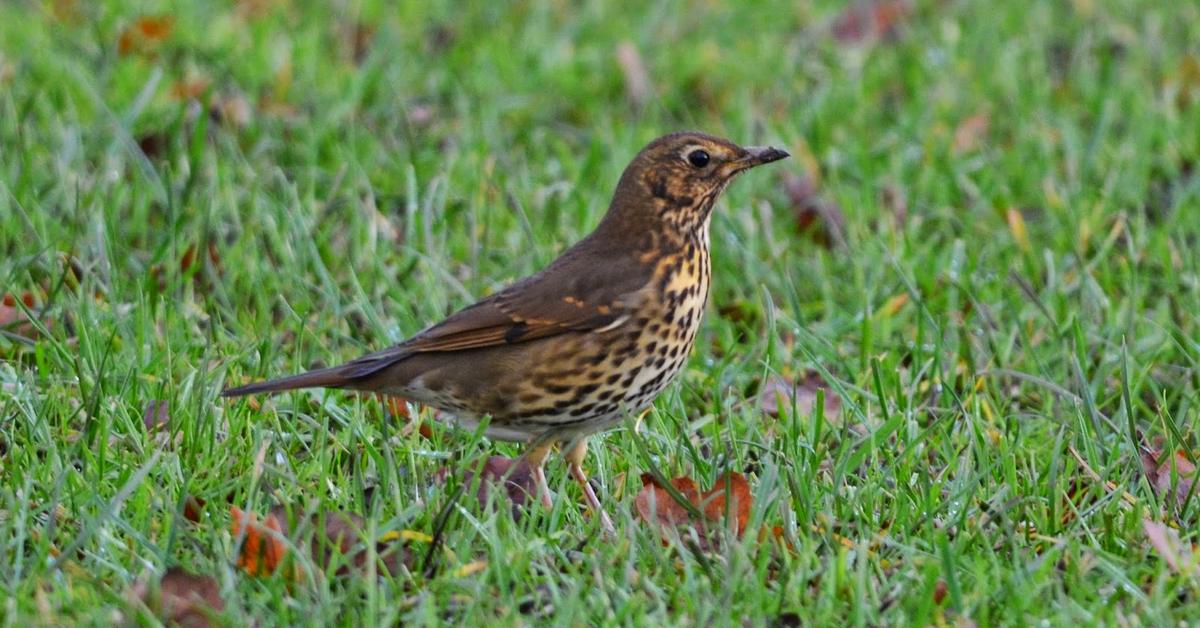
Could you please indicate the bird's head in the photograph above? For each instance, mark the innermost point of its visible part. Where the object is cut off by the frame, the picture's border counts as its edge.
(675, 180)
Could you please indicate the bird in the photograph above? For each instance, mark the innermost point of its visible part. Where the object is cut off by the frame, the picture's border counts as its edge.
(587, 341)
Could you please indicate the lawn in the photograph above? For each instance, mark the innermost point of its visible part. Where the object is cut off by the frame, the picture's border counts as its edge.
(983, 252)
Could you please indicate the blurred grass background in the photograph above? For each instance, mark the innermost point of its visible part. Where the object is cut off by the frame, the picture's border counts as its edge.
(999, 283)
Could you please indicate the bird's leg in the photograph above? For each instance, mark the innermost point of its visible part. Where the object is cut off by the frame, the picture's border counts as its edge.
(536, 457)
(575, 456)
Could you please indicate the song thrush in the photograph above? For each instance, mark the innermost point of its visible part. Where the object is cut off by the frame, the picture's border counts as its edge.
(594, 336)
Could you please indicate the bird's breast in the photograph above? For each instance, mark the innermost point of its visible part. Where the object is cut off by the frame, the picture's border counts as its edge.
(668, 330)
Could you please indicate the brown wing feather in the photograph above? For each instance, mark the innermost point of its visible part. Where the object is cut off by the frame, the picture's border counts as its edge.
(578, 292)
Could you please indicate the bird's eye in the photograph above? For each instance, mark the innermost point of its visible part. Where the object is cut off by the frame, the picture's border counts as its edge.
(698, 158)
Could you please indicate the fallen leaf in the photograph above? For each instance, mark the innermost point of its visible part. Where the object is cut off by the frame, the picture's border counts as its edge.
(778, 394)
(193, 508)
(334, 538)
(970, 133)
(1158, 468)
(638, 88)
(813, 212)
(1165, 541)
(871, 21)
(515, 475)
(654, 505)
(13, 318)
(340, 534)
(145, 34)
(263, 547)
(156, 416)
(182, 598)
(940, 590)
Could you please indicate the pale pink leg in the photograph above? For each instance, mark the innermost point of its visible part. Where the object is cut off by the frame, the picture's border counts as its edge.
(575, 463)
(536, 458)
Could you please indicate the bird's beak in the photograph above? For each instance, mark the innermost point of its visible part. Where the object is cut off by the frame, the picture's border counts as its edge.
(759, 155)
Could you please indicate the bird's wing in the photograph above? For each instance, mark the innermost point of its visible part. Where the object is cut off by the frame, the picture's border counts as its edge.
(574, 294)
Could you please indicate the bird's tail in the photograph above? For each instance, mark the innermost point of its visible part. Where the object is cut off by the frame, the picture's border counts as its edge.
(333, 377)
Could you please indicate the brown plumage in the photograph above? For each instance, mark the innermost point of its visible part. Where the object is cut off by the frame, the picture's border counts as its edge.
(594, 336)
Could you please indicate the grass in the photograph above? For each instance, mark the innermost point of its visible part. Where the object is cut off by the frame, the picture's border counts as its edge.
(1004, 350)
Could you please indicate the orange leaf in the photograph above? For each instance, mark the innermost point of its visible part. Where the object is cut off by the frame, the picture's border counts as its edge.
(739, 492)
(654, 504)
(145, 34)
(262, 546)
(14, 320)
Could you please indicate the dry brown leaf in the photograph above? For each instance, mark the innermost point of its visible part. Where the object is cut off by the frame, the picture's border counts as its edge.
(182, 598)
(331, 538)
(940, 590)
(1157, 466)
(654, 505)
(515, 475)
(970, 133)
(1165, 541)
(145, 34)
(193, 508)
(813, 212)
(14, 320)
(638, 88)
(339, 534)
(871, 21)
(156, 416)
(778, 394)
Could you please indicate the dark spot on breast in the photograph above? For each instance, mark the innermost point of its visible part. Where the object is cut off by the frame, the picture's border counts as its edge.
(582, 410)
(612, 379)
(652, 347)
